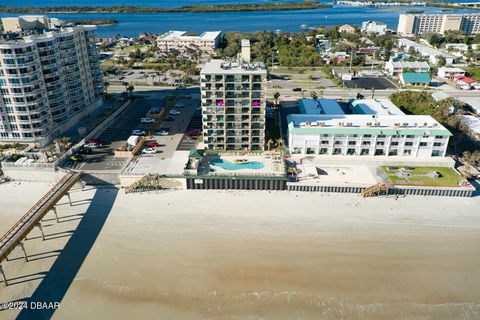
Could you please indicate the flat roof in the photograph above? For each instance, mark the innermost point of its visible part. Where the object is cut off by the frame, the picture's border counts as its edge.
(320, 106)
(472, 122)
(218, 66)
(451, 69)
(375, 106)
(180, 35)
(418, 125)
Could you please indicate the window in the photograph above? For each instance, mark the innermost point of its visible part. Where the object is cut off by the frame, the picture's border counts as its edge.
(393, 152)
(351, 151)
(310, 150)
(409, 144)
(437, 144)
(337, 151)
(423, 144)
(410, 136)
(352, 143)
(323, 150)
(407, 152)
(379, 152)
(324, 141)
(338, 143)
(364, 152)
(366, 143)
(436, 153)
(394, 143)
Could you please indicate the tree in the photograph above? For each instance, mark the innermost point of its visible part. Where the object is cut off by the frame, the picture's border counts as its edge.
(441, 61)
(107, 84)
(435, 39)
(276, 98)
(314, 95)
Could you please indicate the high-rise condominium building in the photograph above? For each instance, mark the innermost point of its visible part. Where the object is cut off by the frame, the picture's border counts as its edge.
(413, 24)
(46, 81)
(233, 103)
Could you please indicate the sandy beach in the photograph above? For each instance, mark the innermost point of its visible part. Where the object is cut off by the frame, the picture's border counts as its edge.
(247, 255)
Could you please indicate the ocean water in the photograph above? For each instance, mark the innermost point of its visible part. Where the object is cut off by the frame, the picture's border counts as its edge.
(131, 24)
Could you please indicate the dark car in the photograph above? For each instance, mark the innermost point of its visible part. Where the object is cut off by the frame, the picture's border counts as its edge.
(297, 89)
(85, 150)
(169, 119)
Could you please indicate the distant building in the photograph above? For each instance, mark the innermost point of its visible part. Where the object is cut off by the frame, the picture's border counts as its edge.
(374, 27)
(414, 24)
(415, 78)
(48, 81)
(396, 68)
(346, 28)
(430, 53)
(147, 38)
(464, 82)
(29, 23)
(457, 46)
(181, 41)
(233, 103)
(375, 107)
(448, 73)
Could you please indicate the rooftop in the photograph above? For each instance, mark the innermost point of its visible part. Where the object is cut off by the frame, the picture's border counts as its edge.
(375, 106)
(472, 122)
(451, 69)
(426, 50)
(217, 66)
(416, 77)
(181, 35)
(320, 106)
(410, 64)
(474, 103)
(419, 125)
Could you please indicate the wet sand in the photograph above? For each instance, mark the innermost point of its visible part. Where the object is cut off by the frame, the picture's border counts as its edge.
(259, 255)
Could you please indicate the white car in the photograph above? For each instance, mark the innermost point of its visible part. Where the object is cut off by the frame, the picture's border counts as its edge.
(149, 151)
(147, 120)
(91, 145)
(138, 132)
(174, 112)
(179, 106)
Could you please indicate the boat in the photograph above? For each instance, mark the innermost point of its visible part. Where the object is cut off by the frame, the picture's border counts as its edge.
(304, 26)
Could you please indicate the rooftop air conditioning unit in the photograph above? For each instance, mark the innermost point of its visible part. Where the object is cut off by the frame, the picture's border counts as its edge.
(369, 124)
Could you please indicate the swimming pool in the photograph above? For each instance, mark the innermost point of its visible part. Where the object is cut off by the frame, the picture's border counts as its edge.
(227, 165)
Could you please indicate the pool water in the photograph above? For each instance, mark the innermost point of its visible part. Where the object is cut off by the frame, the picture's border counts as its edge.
(227, 165)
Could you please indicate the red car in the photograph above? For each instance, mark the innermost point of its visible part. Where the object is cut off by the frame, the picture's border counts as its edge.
(94, 141)
(193, 133)
(152, 144)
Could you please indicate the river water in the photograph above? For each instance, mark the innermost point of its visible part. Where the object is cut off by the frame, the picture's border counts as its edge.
(131, 24)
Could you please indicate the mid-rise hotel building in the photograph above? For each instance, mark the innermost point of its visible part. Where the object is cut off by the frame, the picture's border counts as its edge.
(374, 128)
(233, 103)
(46, 81)
(414, 24)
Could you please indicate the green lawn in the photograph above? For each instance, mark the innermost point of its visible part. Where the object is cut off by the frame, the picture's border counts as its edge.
(448, 177)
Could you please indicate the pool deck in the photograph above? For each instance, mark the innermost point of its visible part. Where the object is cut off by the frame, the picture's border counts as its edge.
(271, 167)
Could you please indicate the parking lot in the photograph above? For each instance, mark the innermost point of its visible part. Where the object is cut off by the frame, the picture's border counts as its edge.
(115, 136)
(377, 83)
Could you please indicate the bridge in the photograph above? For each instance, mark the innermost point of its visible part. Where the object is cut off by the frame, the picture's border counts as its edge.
(19, 231)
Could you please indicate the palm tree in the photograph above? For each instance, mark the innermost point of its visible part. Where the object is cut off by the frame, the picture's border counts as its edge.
(314, 95)
(106, 84)
(125, 84)
(276, 98)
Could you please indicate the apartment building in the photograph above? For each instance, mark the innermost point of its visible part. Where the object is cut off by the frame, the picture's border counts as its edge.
(414, 24)
(233, 103)
(425, 51)
(374, 27)
(48, 81)
(180, 41)
(367, 135)
(30, 22)
(396, 68)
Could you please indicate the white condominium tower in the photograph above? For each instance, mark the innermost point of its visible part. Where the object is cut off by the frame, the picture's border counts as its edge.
(46, 79)
(413, 24)
(233, 103)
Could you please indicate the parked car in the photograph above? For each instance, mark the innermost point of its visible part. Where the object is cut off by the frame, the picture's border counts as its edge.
(139, 132)
(149, 150)
(193, 133)
(179, 106)
(174, 112)
(169, 119)
(95, 141)
(147, 120)
(297, 89)
(85, 150)
(92, 145)
(162, 132)
(152, 144)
